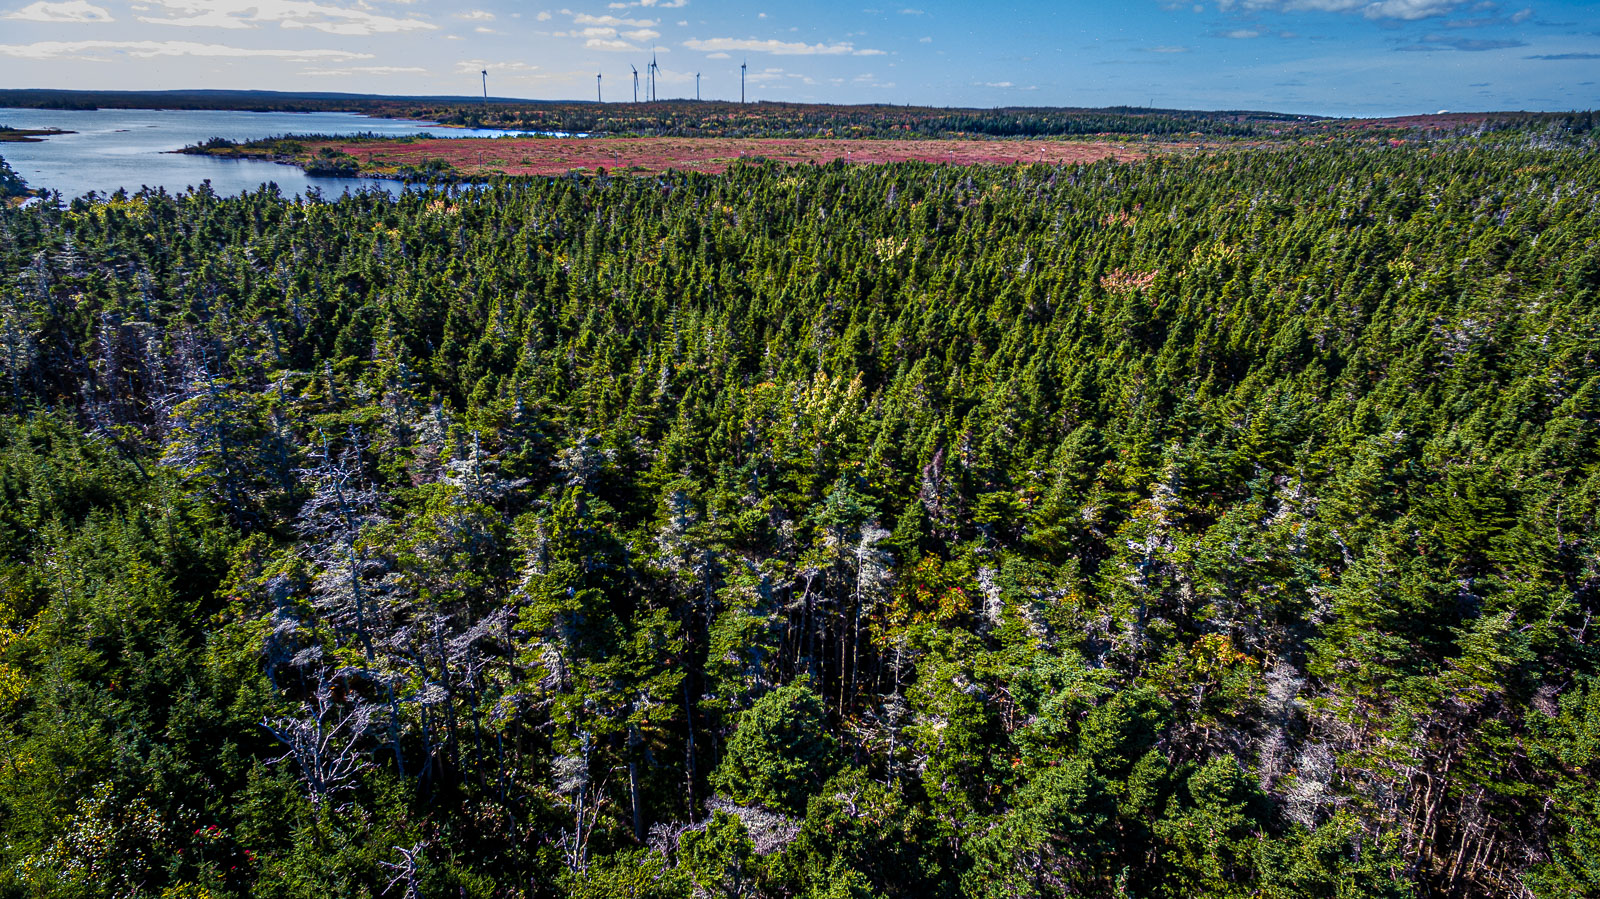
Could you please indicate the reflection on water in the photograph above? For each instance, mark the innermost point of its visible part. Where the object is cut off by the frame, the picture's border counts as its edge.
(131, 148)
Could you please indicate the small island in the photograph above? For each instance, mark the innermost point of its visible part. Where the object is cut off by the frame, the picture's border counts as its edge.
(327, 157)
(9, 135)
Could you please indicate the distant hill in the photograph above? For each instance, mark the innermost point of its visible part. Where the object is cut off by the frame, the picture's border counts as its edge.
(41, 98)
(715, 118)
(694, 118)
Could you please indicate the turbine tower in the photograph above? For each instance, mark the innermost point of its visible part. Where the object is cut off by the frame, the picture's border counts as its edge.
(635, 83)
(742, 67)
(485, 87)
(599, 95)
(654, 68)
(697, 86)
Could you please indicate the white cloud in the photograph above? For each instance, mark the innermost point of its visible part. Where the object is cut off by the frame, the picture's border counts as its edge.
(349, 71)
(150, 49)
(1242, 34)
(476, 15)
(777, 48)
(613, 21)
(606, 32)
(1407, 10)
(69, 11)
(474, 66)
(769, 76)
(354, 22)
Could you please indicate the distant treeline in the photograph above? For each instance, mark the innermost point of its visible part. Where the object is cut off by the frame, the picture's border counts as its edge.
(690, 118)
(693, 118)
(715, 119)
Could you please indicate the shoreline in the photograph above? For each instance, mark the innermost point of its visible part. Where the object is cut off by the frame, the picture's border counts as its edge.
(30, 135)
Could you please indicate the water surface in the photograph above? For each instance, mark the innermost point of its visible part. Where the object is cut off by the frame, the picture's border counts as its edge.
(131, 148)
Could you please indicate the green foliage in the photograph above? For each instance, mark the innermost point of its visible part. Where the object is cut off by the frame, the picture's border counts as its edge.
(628, 875)
(106, 848)
(876, 838)
(1571, 745)
(720, 858)
(11, 184)
(1210, 835)
(1057, 839)
(1216, 525)
(782, 751)
(1335, 861)
(1117, 734)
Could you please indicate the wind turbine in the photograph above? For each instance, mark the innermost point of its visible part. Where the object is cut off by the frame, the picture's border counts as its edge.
(697, 86)
(654, 68)
(599, 95)
(742, 67)
(635, 83)
(485, 87)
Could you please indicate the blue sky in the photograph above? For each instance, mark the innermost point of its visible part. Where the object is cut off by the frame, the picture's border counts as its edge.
(1336, 57)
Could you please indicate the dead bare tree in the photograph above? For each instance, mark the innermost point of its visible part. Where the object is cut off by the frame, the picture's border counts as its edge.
(342, 504)
(324, 742)
(573, 780)
(406, 871)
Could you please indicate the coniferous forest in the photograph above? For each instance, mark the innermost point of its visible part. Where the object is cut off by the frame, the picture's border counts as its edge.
(1209, 526)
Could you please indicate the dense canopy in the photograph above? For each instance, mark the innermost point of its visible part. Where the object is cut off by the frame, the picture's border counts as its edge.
(1211, 526)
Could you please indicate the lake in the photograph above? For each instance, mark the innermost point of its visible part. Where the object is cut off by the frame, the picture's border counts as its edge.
(130, 148)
